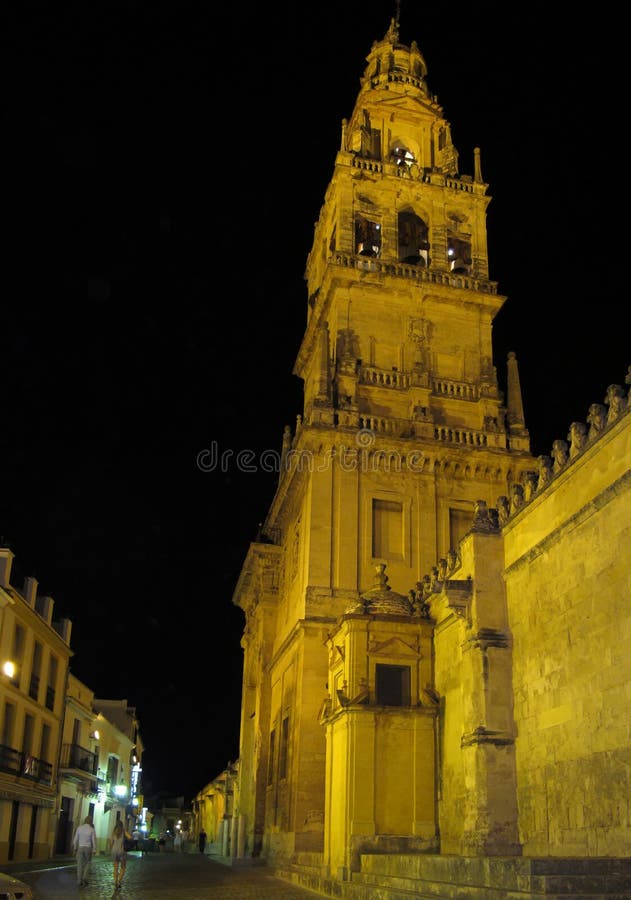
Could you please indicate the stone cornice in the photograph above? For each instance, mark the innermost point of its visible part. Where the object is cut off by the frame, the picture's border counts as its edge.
(292, 636)
(328, 716)
(486, 638)
(35, 796)
(453, 597)
(248, 582)
(404, 455)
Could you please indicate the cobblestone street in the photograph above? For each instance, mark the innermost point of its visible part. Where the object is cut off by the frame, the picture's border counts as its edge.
(158, 876)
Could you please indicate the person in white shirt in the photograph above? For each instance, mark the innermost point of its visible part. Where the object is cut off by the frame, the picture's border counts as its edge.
(84, 845)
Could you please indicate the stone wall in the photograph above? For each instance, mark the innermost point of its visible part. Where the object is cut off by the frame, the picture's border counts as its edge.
(568, 586)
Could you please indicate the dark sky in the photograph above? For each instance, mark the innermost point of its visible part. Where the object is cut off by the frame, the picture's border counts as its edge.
(164, 164)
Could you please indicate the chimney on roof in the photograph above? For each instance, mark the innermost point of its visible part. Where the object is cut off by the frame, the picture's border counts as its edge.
(64, 629)
(30, 590)
(44, 605)
(6, 561)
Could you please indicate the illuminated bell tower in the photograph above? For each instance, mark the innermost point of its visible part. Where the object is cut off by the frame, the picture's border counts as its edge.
(403, 430)
(399, 335)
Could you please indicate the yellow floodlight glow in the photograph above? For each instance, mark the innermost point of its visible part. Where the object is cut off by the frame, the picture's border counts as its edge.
(8, 668)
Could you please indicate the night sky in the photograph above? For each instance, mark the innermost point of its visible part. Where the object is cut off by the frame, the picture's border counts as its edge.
(164, 164)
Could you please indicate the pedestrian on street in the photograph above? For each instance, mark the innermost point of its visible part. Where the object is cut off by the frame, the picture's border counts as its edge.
(202, 840)
(118, 852)
(84, 845)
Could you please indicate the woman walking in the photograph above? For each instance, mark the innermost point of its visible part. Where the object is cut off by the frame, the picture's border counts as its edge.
(119, 854)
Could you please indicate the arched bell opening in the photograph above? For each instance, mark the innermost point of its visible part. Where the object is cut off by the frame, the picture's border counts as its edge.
(401, 156)
(413, 239)
(459, 255)
(367, 237)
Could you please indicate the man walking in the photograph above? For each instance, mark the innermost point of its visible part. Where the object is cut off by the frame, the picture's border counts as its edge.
(84, 845)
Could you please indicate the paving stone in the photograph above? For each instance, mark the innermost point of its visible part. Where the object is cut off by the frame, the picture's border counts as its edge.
(158, 876)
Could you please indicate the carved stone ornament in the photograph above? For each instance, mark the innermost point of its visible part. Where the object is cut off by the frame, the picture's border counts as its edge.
(483, 521)
(418, 330)
(381, 599)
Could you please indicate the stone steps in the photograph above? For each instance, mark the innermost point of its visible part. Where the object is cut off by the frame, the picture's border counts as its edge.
(429, 877)
(492, 878)
(393, 888)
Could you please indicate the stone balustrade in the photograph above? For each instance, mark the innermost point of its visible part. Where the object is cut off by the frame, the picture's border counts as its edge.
(390, 378)
(461, 436)
(458, 390)
(366, 164)
(385, 425)
(414, 273)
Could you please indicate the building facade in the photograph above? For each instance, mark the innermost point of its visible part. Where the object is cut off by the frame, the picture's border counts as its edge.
(435, 622)
(212, 810)
(64, 754)
(34, 658)
(79, 775)
(100, 766)
(120, 760)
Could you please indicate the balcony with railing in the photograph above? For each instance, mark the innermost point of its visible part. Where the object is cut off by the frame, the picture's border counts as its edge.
(80, 765)
(78, 760)
(97, 785)
(412, 272)
(457, 390)
(390, 378)
(23, 765)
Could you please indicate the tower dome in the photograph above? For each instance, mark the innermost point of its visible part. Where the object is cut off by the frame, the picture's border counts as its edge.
(391, 63)
(382, 600)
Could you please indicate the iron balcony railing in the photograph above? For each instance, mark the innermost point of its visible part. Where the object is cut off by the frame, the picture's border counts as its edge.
(22, 764)
(73, 756)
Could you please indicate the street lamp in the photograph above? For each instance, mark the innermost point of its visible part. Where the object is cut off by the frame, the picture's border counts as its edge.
(8, 668)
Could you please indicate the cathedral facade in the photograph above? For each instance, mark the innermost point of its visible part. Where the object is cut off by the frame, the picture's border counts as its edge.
(435, 663)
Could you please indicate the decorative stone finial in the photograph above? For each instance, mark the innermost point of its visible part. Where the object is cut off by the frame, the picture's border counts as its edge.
(545, 471)
(380, 582)
(516, 498)
(392, 34)
(477, 166)
(420, 606)
(616, 401)
(482, 520)
(530, 485)
(577, 436)
(503, 509)
(382, 599)
(597, 420)
(559, 455)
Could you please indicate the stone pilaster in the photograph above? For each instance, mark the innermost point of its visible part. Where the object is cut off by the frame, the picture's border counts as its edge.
(488, 736)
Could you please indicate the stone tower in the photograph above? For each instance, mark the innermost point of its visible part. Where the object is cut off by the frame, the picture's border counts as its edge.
(404, 432)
